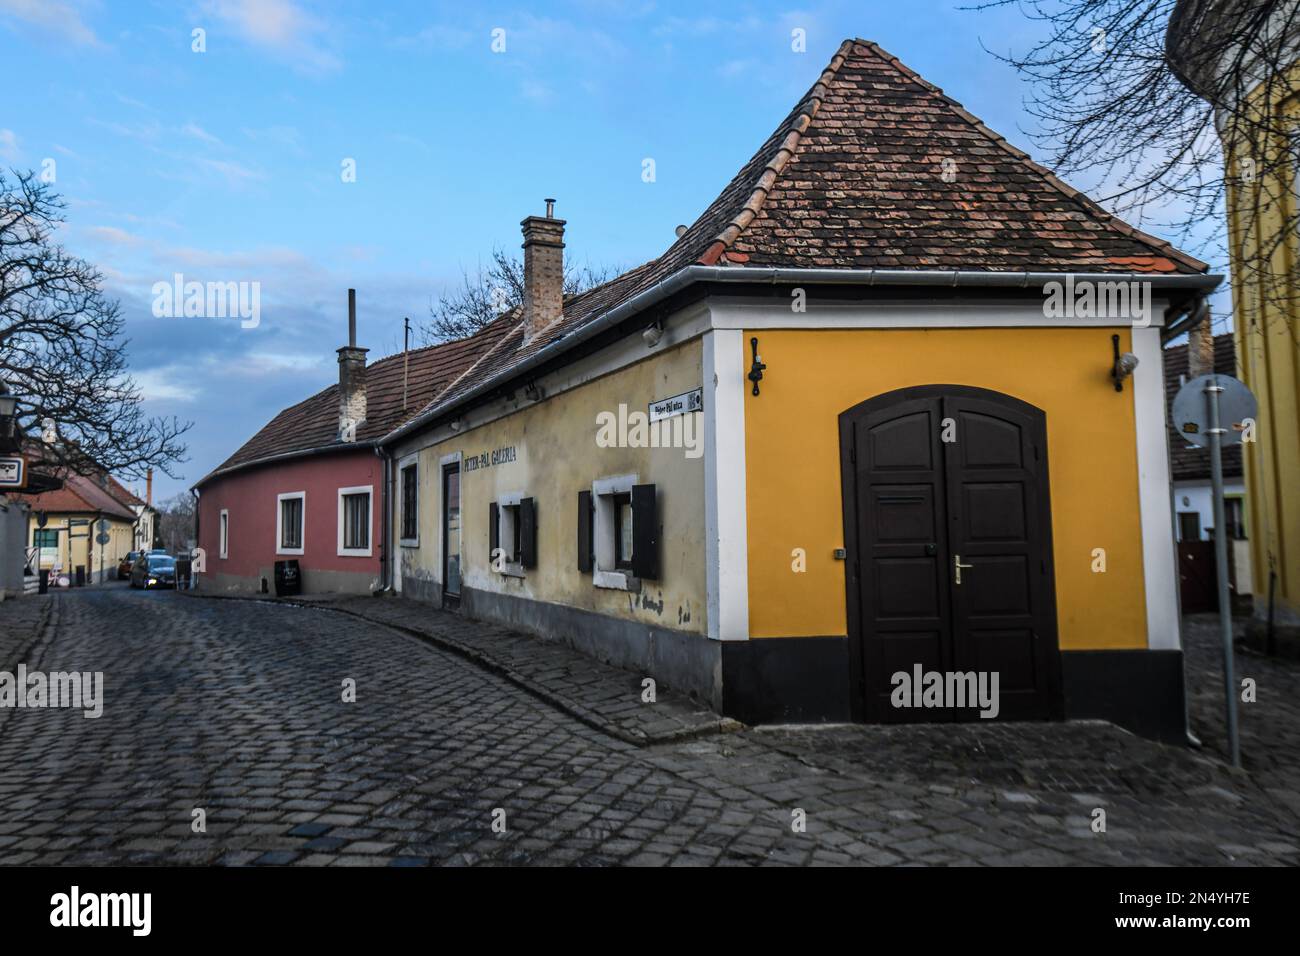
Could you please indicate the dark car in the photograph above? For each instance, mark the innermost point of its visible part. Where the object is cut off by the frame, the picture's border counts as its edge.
(154, 571)
(126, 564)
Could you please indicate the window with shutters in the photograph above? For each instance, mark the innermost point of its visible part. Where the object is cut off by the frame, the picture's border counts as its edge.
(409, 490)
(289, 533)
(618, 533)
(512, 534)
(355, 517)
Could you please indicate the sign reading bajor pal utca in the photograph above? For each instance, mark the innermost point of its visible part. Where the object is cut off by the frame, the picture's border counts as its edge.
(13, 473)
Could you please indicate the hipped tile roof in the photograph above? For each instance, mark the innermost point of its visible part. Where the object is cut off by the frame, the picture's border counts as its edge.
(314, 423)
(855, 178)
(1188, 462)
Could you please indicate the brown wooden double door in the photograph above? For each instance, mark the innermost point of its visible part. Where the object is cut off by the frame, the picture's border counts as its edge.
(947, 525)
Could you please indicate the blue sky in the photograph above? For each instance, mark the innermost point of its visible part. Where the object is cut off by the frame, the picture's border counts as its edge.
(225, 165)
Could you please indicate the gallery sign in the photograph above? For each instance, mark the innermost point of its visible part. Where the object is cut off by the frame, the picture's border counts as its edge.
(13, 473)
(686, 402)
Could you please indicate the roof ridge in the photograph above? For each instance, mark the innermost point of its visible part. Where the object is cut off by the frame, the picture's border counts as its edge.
(433, 401)
(1024, 158)
(803, 115)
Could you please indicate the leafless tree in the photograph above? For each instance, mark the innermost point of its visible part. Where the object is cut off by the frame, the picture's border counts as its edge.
(176, 523)
(493, 289)
(62, 352)
(1156, 112)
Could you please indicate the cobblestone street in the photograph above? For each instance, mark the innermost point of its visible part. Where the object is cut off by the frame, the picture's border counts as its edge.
(235, 707)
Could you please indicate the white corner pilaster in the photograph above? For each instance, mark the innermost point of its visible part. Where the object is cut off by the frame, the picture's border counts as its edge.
(726, 532)
(1159, 559)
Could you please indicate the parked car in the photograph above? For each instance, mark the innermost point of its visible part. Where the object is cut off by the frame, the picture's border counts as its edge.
(126, 564)
(154, 571)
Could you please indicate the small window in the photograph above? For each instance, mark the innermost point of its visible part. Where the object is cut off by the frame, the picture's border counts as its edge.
(1189, 526)
(623, 531)
(290, 522)
(1235, 518)
(224, 542)
(618, 532)
(512, 534)
(354, 522)
(410, 504)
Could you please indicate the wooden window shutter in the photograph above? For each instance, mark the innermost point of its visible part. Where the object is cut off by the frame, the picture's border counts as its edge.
(527, 533)
(494, 531)
(645, 532)
(585, 549)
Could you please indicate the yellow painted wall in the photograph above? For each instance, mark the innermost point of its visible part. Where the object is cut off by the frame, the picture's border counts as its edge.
(792, 456)
(556, 457)
(83, 549)
(1266, 305)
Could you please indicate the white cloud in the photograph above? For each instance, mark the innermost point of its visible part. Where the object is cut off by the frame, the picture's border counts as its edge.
(199, 133)
(8, 145)
(52, 16)
(279, 26)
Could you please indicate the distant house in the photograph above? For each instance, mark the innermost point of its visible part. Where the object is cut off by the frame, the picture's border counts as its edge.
(63, 527)
(309, 486)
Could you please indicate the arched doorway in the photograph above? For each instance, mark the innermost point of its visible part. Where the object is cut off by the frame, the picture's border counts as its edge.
(947, 526)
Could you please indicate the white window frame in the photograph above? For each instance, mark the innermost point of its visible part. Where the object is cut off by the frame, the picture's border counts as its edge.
(507, 515)
(604, 573)
(369, 549)
(410, 461)
(223, 533)
(279, 520)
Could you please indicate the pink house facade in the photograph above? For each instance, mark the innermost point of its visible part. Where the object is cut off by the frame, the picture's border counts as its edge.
(322, 511)
(311, 486)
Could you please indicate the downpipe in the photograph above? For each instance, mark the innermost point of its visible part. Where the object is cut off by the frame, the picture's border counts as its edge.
(385, 529)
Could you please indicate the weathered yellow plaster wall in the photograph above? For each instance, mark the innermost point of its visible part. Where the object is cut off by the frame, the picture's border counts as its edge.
(793, 464)
(556, 456)
(1265, 255)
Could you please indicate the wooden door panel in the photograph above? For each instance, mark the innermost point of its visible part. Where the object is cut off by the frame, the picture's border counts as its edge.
(913, 504)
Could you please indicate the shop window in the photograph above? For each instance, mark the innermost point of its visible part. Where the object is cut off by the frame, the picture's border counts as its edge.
(355, 516)
(512, 534)
(410, 529)
(289, 522)
(618, 533)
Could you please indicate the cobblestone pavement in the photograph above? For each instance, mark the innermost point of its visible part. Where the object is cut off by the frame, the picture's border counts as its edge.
(235, 708)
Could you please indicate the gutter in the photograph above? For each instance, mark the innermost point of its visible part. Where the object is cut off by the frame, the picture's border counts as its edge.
(774, 275)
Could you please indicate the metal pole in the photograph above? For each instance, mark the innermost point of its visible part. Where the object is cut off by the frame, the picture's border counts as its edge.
(1216, 431)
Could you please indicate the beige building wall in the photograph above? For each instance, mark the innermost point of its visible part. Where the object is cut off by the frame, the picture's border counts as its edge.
(548, 451)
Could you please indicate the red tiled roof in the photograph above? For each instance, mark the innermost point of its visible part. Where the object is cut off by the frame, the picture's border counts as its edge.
(80, 495)
(854, 178)
(313, 424)
(1188, 462)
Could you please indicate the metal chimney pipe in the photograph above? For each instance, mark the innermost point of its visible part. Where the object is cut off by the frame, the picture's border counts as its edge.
(352, 318)
(550, 209)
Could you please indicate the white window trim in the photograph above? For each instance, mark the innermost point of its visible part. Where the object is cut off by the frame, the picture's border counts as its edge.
(604, 574)
(223, 534)
(279, 520)
(410, 461)
(506, 530)
(369, 550)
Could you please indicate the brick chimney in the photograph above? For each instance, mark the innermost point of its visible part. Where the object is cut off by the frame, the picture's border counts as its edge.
(543, 271)
(148, 487)
(352, 378)
(1200, 348)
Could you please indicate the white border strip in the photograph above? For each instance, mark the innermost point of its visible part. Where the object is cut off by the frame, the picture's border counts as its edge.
(1159, 563)
(726, 534)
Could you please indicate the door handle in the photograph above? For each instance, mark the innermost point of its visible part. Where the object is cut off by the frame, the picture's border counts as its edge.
(957, 566)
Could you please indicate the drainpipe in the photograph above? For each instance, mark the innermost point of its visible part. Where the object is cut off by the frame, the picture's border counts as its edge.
(385, 522)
